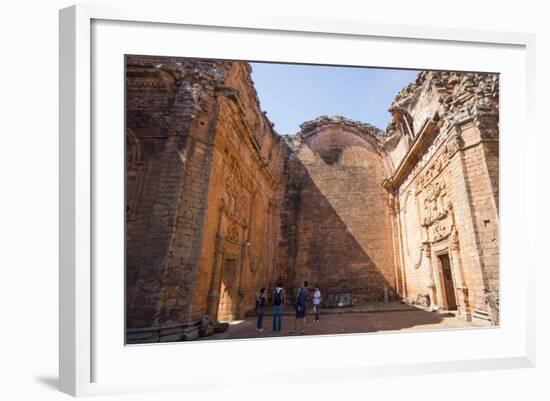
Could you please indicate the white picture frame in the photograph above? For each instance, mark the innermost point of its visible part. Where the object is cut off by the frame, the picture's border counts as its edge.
(81, 346)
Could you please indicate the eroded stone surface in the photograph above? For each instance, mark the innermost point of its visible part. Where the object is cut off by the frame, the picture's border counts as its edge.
(219, 205)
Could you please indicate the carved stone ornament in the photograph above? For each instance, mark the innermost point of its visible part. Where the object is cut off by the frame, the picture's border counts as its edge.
(454, 143)
(440, 230)
(393, 203)
(422, 300)
(463, 97)
(253, 257)
(419, 261)
(427, 248)
(453, 240)
(233, 232)
(436, 206)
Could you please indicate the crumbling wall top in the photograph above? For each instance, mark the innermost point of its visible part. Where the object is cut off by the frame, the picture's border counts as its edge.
(458, 96)
(310, 127)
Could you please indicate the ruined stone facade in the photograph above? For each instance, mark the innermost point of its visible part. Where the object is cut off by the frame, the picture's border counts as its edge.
(218, 204)
(443, 147)
(203, 182)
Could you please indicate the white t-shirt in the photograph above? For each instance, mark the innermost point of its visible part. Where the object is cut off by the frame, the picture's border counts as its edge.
(316, 297)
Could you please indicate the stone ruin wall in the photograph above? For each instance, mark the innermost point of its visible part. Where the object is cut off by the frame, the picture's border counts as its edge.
(161, 154)
(446, 190)
(199, 168)
(342, 236)
(219, 205)
(242, 205)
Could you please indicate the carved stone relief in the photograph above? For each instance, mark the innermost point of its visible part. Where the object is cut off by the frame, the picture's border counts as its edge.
(233, 232)
(453, 240)
(454, 143)
(393, 204)
(436, 207)
(237, 192)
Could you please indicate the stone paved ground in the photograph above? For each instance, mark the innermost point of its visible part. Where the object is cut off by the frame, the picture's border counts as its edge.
(348, 321)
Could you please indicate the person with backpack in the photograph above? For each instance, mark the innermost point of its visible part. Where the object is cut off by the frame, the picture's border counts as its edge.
(278, 301)
(300, 308)
(260, 309)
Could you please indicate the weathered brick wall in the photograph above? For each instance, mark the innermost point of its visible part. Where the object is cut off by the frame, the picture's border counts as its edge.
(480, 176)
(202, 195)
(491, 151)
(447, 187)
(242, 200)
(338, 226)
(218, 205)
(158, 117)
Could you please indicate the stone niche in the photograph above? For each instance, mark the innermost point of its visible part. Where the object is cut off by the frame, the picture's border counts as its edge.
(218, 204)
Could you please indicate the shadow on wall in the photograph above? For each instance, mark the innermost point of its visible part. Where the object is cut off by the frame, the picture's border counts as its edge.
(322, 248)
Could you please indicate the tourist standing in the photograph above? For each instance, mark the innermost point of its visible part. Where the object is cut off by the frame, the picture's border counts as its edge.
(278, 302)
(316, 303)
(260, 309)
(300, 308)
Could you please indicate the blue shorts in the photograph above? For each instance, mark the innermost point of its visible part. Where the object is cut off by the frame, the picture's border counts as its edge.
(300, 311)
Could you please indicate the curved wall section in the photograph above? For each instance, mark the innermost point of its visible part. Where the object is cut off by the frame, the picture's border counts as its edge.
(343, 229)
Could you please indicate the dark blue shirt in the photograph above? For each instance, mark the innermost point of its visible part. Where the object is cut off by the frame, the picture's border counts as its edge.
(302, 296)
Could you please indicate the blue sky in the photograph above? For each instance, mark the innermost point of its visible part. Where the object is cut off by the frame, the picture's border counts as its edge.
(292, 94)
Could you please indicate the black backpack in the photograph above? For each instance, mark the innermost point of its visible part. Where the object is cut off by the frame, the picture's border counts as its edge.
(277, 297)
(259, 301)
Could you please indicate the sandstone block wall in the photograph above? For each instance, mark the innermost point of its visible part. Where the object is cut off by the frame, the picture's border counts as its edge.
(447, 191)
(242, 204)
(219, 205)
(342, 231)
(203, 171)
(159, 122)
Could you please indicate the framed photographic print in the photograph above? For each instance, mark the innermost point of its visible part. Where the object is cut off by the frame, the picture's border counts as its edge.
(275, 187)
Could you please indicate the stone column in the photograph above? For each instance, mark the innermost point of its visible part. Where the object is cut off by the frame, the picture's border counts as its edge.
(427, 248)
(402, 255)
(393, 204)
(458, 276)
(239, 265)
(214, 293)
(243, 259)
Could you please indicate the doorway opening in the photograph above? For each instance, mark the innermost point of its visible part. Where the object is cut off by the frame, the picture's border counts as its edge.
(228, 291)
(448, 284)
